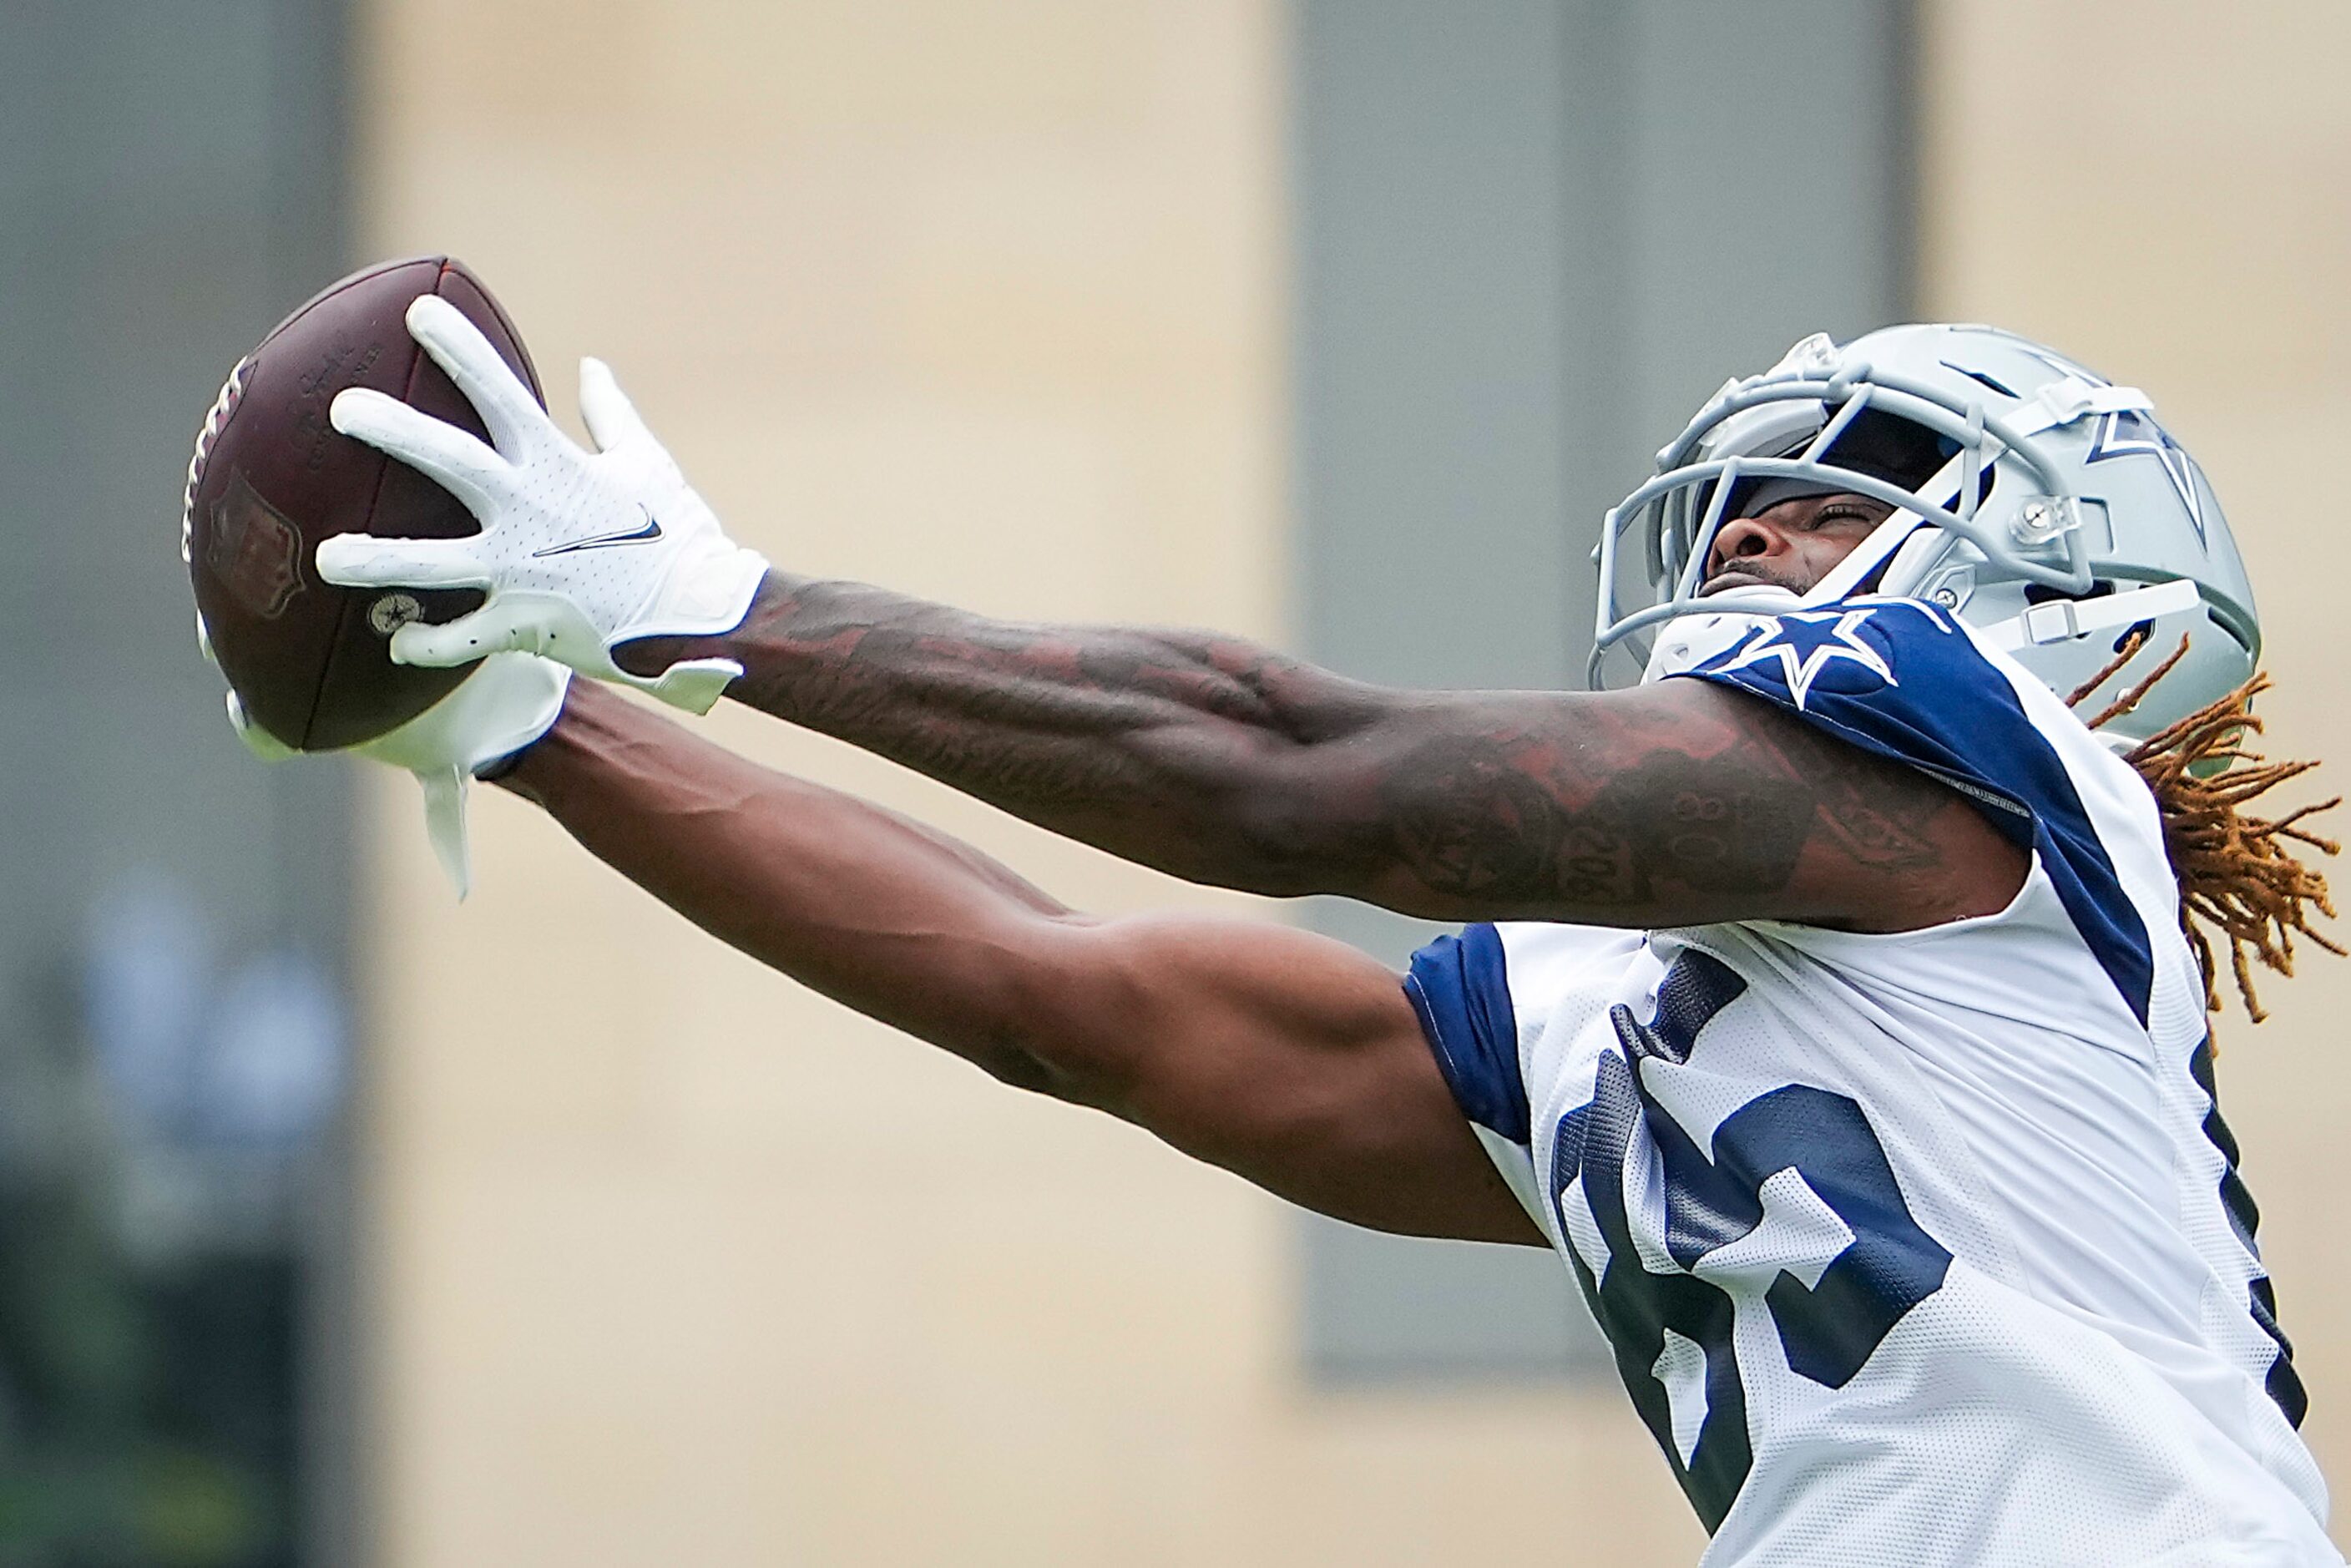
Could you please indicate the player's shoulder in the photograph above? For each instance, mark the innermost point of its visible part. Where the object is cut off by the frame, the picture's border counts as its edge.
(1907, 681)
(1899, 675)
(1865, 647)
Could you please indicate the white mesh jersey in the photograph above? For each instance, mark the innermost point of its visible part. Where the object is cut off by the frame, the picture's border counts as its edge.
(1922, 1248)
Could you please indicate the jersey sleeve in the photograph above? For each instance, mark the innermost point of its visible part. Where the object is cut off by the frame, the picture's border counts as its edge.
(1461, 987)
(1900, 679)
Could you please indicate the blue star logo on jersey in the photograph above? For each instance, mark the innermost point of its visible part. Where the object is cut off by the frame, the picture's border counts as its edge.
(2129, 433)
(1805, 643)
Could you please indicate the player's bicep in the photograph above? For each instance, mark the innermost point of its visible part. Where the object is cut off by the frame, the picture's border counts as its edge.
(1289, 1059)
(1680, 803)
(1885, 847)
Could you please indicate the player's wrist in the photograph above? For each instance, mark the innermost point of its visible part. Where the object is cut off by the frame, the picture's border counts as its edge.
(741, 643)
(591, 719)
(497, 767)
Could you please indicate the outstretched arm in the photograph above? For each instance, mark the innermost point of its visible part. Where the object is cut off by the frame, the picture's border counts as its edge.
(1289, 1058)
(1224, 762)
(1207, 756)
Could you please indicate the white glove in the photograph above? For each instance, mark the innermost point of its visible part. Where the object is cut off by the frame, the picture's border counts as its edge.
(579, 551)
(509, 701)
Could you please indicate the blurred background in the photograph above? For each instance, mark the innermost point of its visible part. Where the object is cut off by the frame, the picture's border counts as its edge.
(342, 1225)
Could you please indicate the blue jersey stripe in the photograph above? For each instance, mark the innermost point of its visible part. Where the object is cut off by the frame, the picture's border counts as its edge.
(1461, 987)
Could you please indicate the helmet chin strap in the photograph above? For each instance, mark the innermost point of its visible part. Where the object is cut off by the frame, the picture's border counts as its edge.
(2061, 619)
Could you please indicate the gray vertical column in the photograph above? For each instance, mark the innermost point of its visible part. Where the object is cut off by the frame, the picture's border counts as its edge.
(1762, 191)
(172, 179)
(1437, 234)
(1432, 414)
(1533, 235)
(167, 190)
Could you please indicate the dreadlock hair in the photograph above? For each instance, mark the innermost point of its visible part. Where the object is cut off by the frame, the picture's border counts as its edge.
(2240, 878)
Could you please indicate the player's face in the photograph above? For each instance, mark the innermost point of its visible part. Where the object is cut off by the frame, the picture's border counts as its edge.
(1792, 545)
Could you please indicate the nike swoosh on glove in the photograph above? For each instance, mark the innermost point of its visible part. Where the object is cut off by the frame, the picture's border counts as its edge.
(580, 551)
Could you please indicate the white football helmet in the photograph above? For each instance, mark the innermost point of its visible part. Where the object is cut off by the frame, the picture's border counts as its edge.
(2039, 502)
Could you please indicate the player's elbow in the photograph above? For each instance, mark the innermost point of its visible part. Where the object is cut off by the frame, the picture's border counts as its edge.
(1299, 822)
(1281, 808)
(1063, 1020)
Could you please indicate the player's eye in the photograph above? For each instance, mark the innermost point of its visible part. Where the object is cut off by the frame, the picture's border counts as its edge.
(1853, 513)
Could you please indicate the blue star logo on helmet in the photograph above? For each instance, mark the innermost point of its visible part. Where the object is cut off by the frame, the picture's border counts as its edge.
(1803, 643)
(2132, 433)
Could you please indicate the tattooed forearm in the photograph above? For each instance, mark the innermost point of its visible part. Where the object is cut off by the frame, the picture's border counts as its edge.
(1154, 744)
(1225, 762)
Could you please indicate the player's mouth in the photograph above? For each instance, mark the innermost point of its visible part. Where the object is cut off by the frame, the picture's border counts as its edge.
(1740, 577)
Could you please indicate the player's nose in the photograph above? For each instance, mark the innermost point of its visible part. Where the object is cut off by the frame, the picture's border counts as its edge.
(1740, 538)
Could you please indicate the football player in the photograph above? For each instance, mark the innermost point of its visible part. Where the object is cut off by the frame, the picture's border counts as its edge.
(1826, 1006)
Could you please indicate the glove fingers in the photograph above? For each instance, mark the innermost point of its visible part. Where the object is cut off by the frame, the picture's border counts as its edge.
(362, 561)
(521, 621)
(508, 623)
(457, 346)
(444, 825)
(449, 457)
(497, 711)
(612, 418)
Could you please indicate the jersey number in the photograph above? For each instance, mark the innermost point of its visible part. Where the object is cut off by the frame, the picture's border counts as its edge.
(1795, 1178)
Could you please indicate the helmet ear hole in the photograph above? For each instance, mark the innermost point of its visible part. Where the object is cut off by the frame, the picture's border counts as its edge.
(2042, 593)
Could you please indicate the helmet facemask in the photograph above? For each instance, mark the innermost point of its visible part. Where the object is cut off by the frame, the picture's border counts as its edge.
(1977, 441)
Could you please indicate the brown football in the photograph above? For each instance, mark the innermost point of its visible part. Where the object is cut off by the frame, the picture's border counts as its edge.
(271, 477)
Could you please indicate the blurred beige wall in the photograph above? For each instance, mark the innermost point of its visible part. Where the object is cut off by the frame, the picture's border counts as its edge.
(982, 298)
(671, 1261)
(2163, 189)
